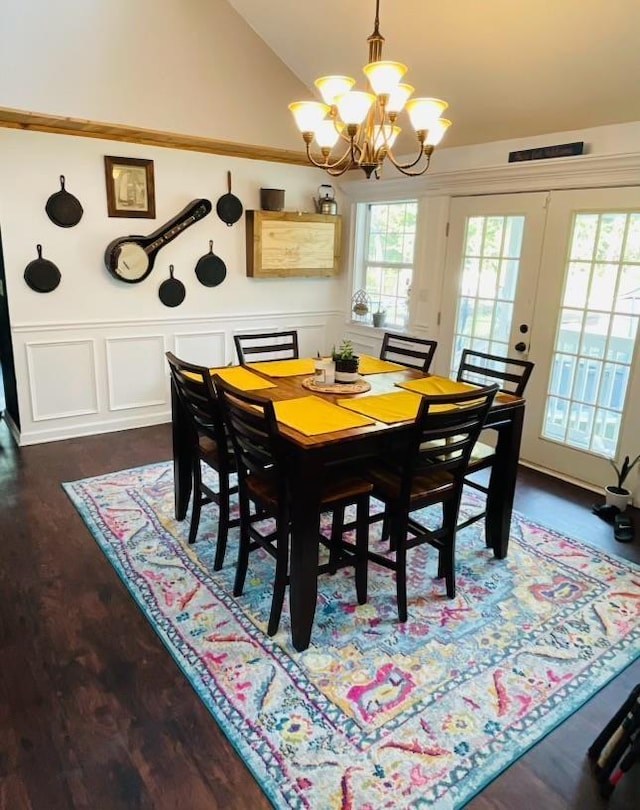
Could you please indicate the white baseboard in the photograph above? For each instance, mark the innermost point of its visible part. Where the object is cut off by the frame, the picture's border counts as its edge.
(78, 431)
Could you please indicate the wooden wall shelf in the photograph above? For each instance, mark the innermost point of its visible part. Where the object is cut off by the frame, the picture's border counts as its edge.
(60, 125)
(284, 244)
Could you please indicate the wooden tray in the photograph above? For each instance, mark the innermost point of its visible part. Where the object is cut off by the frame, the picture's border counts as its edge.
(357, 387)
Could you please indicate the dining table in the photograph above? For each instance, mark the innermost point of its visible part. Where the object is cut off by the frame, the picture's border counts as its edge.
(312, 453)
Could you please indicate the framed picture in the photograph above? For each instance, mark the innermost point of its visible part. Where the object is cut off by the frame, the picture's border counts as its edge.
(130, 187)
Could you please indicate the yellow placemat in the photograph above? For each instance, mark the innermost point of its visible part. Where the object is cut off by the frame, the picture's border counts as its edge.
(400, 406)
(434, 386)
(242, 378)
(285, 368)
(313, 416)
(373, 365)
(237, 376)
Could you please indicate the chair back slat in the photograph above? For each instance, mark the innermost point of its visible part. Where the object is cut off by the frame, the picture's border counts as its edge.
(408, 351)
(197, 396)
(445, 430)
(256, 347)
(480, 368)
(251, 423)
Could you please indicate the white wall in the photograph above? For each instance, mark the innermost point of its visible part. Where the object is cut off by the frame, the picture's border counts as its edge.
(89, 355)
(188, 66)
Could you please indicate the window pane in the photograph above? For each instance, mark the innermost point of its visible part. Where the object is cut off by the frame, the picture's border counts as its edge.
(603, 286)
(597, 331)
(584, 236)
(577, 284)
(612, 228)
(632, 247)
(488, 284)
(389, 250)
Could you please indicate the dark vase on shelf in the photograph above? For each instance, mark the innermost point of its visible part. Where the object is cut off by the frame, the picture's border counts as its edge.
(347, 369)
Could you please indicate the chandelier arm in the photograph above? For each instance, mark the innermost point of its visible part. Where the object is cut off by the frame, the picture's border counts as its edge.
(410, 165)
(368, 144)
(404, 168)
(333, 168)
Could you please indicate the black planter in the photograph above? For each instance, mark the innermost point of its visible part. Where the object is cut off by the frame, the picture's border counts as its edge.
(347, 370)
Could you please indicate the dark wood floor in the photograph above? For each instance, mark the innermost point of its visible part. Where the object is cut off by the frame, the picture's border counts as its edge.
(95, 714)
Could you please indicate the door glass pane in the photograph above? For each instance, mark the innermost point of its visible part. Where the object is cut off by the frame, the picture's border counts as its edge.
(596, 333)
(490, 266)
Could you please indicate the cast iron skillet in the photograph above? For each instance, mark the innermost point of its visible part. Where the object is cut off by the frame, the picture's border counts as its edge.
(41, 274)
(229, 207)
(62, 208)
(172, 291)
(210, 269)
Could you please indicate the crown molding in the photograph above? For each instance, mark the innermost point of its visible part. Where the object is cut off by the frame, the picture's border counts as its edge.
(61, 125)
(545, 175)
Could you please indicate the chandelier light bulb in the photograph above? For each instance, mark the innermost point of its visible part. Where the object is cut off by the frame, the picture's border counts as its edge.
(354, 106)
(327, 134)
(436, 131)
(399, 97)
(308, 114)
(384, 77)
(332, 86)
(424, 111)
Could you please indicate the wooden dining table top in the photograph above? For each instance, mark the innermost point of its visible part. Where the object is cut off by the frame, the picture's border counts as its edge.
(382, 383)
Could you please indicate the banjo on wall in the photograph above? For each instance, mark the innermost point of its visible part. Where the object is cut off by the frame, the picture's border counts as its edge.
(131, 258)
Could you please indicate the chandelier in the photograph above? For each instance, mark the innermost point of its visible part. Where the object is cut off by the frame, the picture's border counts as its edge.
(356, 129)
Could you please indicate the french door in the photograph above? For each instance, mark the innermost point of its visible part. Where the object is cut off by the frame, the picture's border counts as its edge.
(555, 278)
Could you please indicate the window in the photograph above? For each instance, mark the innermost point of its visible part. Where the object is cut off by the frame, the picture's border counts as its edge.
(596, 333)
(491, 262)
(386, 253)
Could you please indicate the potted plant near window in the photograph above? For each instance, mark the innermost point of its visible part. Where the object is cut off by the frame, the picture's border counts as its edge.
(346, 362)
(379, 316)
(617, 495)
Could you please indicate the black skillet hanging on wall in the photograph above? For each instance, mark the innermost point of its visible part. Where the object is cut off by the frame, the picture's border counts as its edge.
(62, 208)
(172, 291)
(41, 274)
(229, 207)
(210, 269)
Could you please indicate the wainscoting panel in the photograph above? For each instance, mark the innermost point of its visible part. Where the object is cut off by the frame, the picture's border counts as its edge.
(135, 367)
(62, 379)
(81, 378)
(202, 348)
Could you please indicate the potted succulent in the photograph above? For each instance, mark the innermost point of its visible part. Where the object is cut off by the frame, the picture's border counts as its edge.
(346, 362)
(617, 495)
(379, 316)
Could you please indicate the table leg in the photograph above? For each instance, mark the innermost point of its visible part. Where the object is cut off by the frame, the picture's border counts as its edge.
(181, 456)
(502, 483)
(306, 482)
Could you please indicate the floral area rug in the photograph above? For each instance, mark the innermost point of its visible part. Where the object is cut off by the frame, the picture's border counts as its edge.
(375, 714)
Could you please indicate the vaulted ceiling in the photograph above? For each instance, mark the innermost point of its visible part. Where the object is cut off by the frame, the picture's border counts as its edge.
(508, 68)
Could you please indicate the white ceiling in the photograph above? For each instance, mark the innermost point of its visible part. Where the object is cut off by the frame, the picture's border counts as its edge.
(508, 68)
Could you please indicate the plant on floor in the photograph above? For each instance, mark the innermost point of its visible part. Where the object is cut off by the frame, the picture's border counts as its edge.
(622, 472)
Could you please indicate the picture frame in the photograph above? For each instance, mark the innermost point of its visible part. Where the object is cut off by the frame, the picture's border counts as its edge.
(130, 187)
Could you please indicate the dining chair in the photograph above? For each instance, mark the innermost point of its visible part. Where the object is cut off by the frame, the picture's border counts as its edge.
(264, 480)
(267, 346)
(428, 469)
(511, 375)
(209, 445)
(408, 351)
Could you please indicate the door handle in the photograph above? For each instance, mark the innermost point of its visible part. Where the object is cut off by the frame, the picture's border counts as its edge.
(521, 346)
